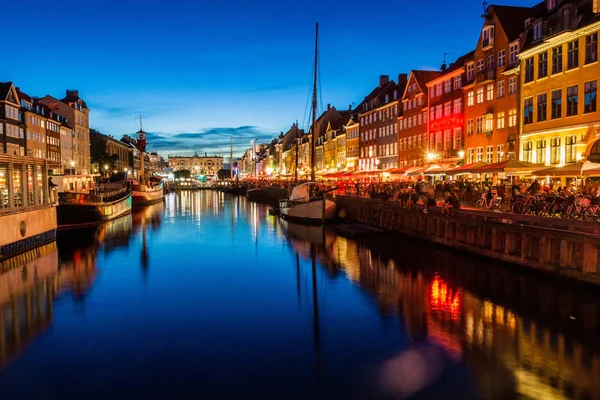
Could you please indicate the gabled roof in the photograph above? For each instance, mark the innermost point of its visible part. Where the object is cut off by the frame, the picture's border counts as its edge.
(512, 19)
(422, 77)
(23, 96)
(4, 89)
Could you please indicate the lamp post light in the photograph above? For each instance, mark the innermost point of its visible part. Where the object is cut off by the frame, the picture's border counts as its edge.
(430, 156)
(106, 169)
(461, 154)
(73, 167)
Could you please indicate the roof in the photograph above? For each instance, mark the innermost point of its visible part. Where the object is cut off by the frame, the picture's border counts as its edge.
(422, 77)
(72, 97)
(4, 89)
(23, 96)
(512, 19)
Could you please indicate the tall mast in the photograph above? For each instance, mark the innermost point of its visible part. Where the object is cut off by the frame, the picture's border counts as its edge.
(314, 110)
(142, 148)
(231, 159)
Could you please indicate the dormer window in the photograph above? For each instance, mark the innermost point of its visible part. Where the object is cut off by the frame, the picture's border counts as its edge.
(537, 31)
(487, 39)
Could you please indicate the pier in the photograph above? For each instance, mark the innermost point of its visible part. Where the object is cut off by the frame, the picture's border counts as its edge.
(561, 247)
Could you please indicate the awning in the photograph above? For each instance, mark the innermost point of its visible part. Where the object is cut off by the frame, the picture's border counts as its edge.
(466, 169)
(415, 171)
(582, 168)
(437, 169)
(396, 171)
(509, 166)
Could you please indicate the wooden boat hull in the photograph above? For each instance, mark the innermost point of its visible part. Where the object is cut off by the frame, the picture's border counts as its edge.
(73, 215)
(143, 195)
(23, 231)
(309, 212)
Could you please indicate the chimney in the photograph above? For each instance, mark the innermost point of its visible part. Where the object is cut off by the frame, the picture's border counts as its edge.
(383, 79)
(402, 79)
(74, 93)
(349, 107)
(328, 106)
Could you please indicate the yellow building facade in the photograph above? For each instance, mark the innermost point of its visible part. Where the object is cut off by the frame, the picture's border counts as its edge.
(559, 73)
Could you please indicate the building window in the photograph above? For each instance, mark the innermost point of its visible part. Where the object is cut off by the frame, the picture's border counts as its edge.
(501, 58)
(479, 156)
(438, 142)
(457, 106)
(500, 120)
(500, 89)
(470, 127)
(438, 112)
(489, 123)
(543, 65)
(457, 139)
(447, 139)
(557, 60)
(470, 99)
(470, 156)
(542, 107)
(489, 154)
(457, 82)
(527, 150)
(480, 95)
(529, 70)
(480, 65)
(447, 109)
(528, 111)
(572, 100)
(432, 114)
(500, 153)
(555, 150)
(512, 85)
(490, 92)
(487, 36)
(512, 118)
(479, 125)
(448, 86)
(570, 142)
(513, 53)
(438, 89)
(556, 103)
(591, 48)
(470, 71)
(420, 119)
(540, 151)
(490, 62)
(573, 54)
(589, 104)
(537, 31)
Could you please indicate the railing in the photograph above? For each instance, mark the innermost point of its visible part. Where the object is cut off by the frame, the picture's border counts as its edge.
(486, 76)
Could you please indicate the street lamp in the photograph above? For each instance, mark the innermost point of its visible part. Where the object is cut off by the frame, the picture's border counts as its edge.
(72, 167)
(430, 156)
(461, 154)
(106, 169)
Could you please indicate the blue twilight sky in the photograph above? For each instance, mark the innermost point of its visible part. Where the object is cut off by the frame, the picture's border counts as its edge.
(202, 70)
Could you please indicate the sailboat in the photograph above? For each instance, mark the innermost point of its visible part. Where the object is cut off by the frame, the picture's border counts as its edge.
(301, 206)
(143, 190)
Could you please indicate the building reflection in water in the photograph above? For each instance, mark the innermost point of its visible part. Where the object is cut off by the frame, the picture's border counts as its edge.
(30, 282)
(519, 335)
(147, 220)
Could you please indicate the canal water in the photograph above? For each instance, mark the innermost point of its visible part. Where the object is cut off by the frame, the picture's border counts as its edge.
(208, 296)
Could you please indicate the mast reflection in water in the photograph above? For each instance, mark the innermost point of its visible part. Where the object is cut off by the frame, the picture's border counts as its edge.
(207, 296)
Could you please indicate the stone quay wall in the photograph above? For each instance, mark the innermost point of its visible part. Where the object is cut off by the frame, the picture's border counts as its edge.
(561, 247)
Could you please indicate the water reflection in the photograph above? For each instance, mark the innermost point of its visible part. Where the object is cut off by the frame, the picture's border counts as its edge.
(519, 335)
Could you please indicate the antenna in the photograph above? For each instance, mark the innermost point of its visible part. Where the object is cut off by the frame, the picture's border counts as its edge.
(444, 65)
(486, 8)
(141, 130)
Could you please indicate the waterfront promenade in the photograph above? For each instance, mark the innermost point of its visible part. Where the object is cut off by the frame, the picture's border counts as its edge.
(561, 247)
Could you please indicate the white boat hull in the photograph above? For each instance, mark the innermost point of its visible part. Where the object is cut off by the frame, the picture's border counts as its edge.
(311, 212)
(142, 194)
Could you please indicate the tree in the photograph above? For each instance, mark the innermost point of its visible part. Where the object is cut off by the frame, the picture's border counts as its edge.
(183, 173)
(224, 174)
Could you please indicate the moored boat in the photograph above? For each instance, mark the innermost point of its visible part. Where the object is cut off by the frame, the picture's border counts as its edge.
(27, 215)
(145, 194)
(302, 207)
(102, 202)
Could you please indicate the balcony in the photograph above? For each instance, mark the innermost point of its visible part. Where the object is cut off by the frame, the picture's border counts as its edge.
(486, 76)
